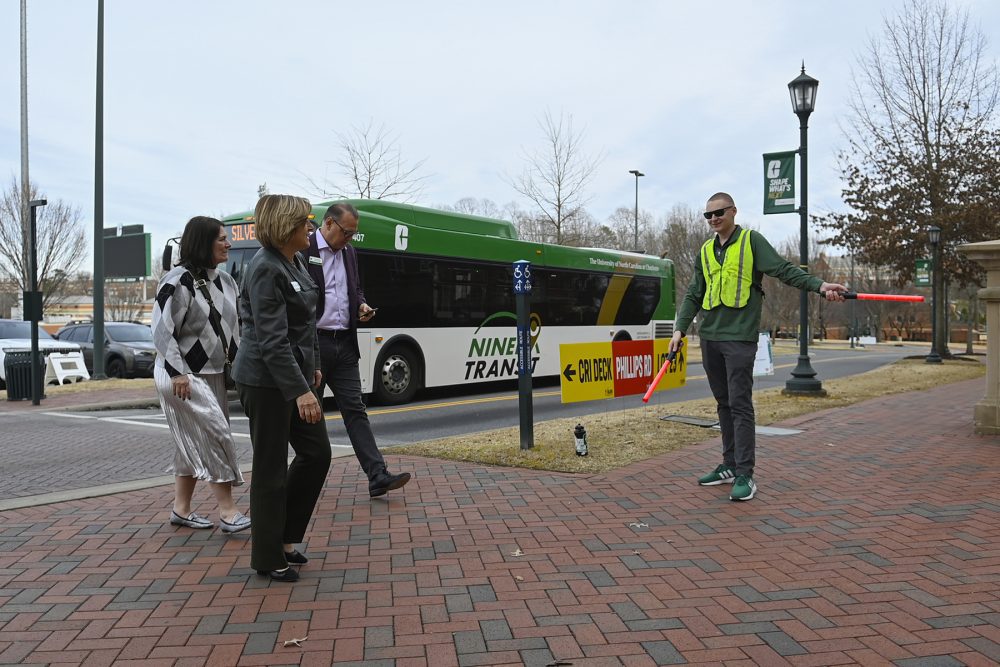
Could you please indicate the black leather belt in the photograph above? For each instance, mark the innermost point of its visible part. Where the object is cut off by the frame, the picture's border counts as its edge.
(334, 333)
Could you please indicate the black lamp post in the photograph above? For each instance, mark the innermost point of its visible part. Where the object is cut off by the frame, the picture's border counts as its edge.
(934, 236)
(637, 174)
(35, 309)
(803, 91)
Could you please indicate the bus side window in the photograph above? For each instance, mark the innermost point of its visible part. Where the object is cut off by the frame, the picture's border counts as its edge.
(639, 301)
(403, 282)
(498, 292)
(571, 298)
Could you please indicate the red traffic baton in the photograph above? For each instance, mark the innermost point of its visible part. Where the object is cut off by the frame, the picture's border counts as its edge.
(659, 376)
(861, 296)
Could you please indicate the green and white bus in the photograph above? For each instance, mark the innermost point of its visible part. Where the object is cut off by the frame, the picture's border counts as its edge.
(442, 283)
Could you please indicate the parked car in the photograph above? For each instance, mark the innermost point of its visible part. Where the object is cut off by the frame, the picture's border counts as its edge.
(130, 351)
(15, 336)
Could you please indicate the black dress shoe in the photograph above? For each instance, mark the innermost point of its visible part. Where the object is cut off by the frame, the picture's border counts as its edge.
(386, 482)
(288, 574)
(295, 558)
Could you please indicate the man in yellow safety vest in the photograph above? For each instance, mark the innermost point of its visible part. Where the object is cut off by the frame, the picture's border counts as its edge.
(726, 289)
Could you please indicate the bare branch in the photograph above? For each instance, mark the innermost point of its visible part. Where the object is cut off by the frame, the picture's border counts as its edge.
(371, 166)
(922, 144)
(557, 176)
(61, 242)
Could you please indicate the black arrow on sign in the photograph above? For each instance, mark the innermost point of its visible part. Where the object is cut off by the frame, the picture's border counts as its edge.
(569, 372)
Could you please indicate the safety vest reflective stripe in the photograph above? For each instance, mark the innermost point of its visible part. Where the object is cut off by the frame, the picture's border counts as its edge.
(710, 288)
(743, 242)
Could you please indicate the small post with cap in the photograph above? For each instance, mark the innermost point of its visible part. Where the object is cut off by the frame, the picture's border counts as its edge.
(522, 290)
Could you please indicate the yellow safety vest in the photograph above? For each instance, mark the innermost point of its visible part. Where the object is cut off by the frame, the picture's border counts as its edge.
(728, 283)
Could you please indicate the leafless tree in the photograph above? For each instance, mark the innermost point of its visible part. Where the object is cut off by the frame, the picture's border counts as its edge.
(582, 231)
(127, 301)
(680, 236)
(621, 227)
(371, 166)
(123, 301)
(922, 147)
(781, 302)
(556, 177)
(61, 242)
(8, 297)
(486, 208)
(530, 226)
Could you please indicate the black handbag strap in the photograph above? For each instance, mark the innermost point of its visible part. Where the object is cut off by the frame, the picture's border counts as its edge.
(201, 282)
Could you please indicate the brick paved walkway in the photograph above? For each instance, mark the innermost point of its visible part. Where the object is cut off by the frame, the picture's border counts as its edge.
(875, 539)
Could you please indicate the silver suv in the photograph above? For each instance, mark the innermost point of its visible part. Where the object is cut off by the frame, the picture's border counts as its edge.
(130, 351)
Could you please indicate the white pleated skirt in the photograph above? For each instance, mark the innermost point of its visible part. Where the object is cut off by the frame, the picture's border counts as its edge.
(204, 447)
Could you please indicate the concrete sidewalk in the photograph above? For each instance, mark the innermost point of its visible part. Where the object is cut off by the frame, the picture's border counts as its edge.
(142, 394)
(874, 539)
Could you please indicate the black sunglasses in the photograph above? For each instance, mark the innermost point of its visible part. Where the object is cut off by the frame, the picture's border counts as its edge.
(718, 213)
(347, 234)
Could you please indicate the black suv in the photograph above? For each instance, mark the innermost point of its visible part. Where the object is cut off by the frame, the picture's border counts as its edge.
(130, 351)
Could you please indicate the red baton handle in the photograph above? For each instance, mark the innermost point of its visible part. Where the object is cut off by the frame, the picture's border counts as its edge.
(659, 376)
(908, 298)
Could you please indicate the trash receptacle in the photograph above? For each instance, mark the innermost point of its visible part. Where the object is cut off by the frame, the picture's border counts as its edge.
(17, 369)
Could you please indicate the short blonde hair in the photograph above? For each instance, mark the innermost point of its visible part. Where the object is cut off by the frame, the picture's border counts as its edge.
(277, 216)
(724, 196)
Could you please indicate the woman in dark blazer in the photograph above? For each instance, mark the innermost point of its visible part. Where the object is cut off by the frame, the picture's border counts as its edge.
(276, 370)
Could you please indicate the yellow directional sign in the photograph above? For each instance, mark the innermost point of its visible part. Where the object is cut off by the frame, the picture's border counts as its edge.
(676, 375)
(587, 371)
(606, 370)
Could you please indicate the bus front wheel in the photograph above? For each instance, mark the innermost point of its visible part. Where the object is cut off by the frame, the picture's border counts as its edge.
(397, 376)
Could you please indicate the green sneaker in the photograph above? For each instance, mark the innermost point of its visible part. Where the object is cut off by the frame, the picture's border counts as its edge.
(743, 489)
(722, 474)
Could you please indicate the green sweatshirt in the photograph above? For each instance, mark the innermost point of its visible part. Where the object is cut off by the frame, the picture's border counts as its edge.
(743, 324)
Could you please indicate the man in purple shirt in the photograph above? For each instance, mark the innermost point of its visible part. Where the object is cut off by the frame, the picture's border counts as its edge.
(333, 265)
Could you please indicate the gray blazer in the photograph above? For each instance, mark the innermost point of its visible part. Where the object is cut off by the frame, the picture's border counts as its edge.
(279, 344)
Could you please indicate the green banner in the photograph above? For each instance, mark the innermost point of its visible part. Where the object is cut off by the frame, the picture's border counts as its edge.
(923, 274)
(779, 182)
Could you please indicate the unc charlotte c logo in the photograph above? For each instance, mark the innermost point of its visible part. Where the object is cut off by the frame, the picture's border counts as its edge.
(774, 169)
(402, 235)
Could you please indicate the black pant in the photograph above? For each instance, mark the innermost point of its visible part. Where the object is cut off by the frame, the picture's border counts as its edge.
(729, 367)
(340, 372)
(282, 495)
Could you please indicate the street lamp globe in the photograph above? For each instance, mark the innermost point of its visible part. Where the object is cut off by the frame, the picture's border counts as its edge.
(803, 91)
(934, 235)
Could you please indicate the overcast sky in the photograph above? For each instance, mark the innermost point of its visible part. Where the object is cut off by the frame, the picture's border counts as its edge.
(204, 101)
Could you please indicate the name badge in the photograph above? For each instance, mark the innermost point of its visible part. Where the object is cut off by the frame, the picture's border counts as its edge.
(315, 260)
(296, 286)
